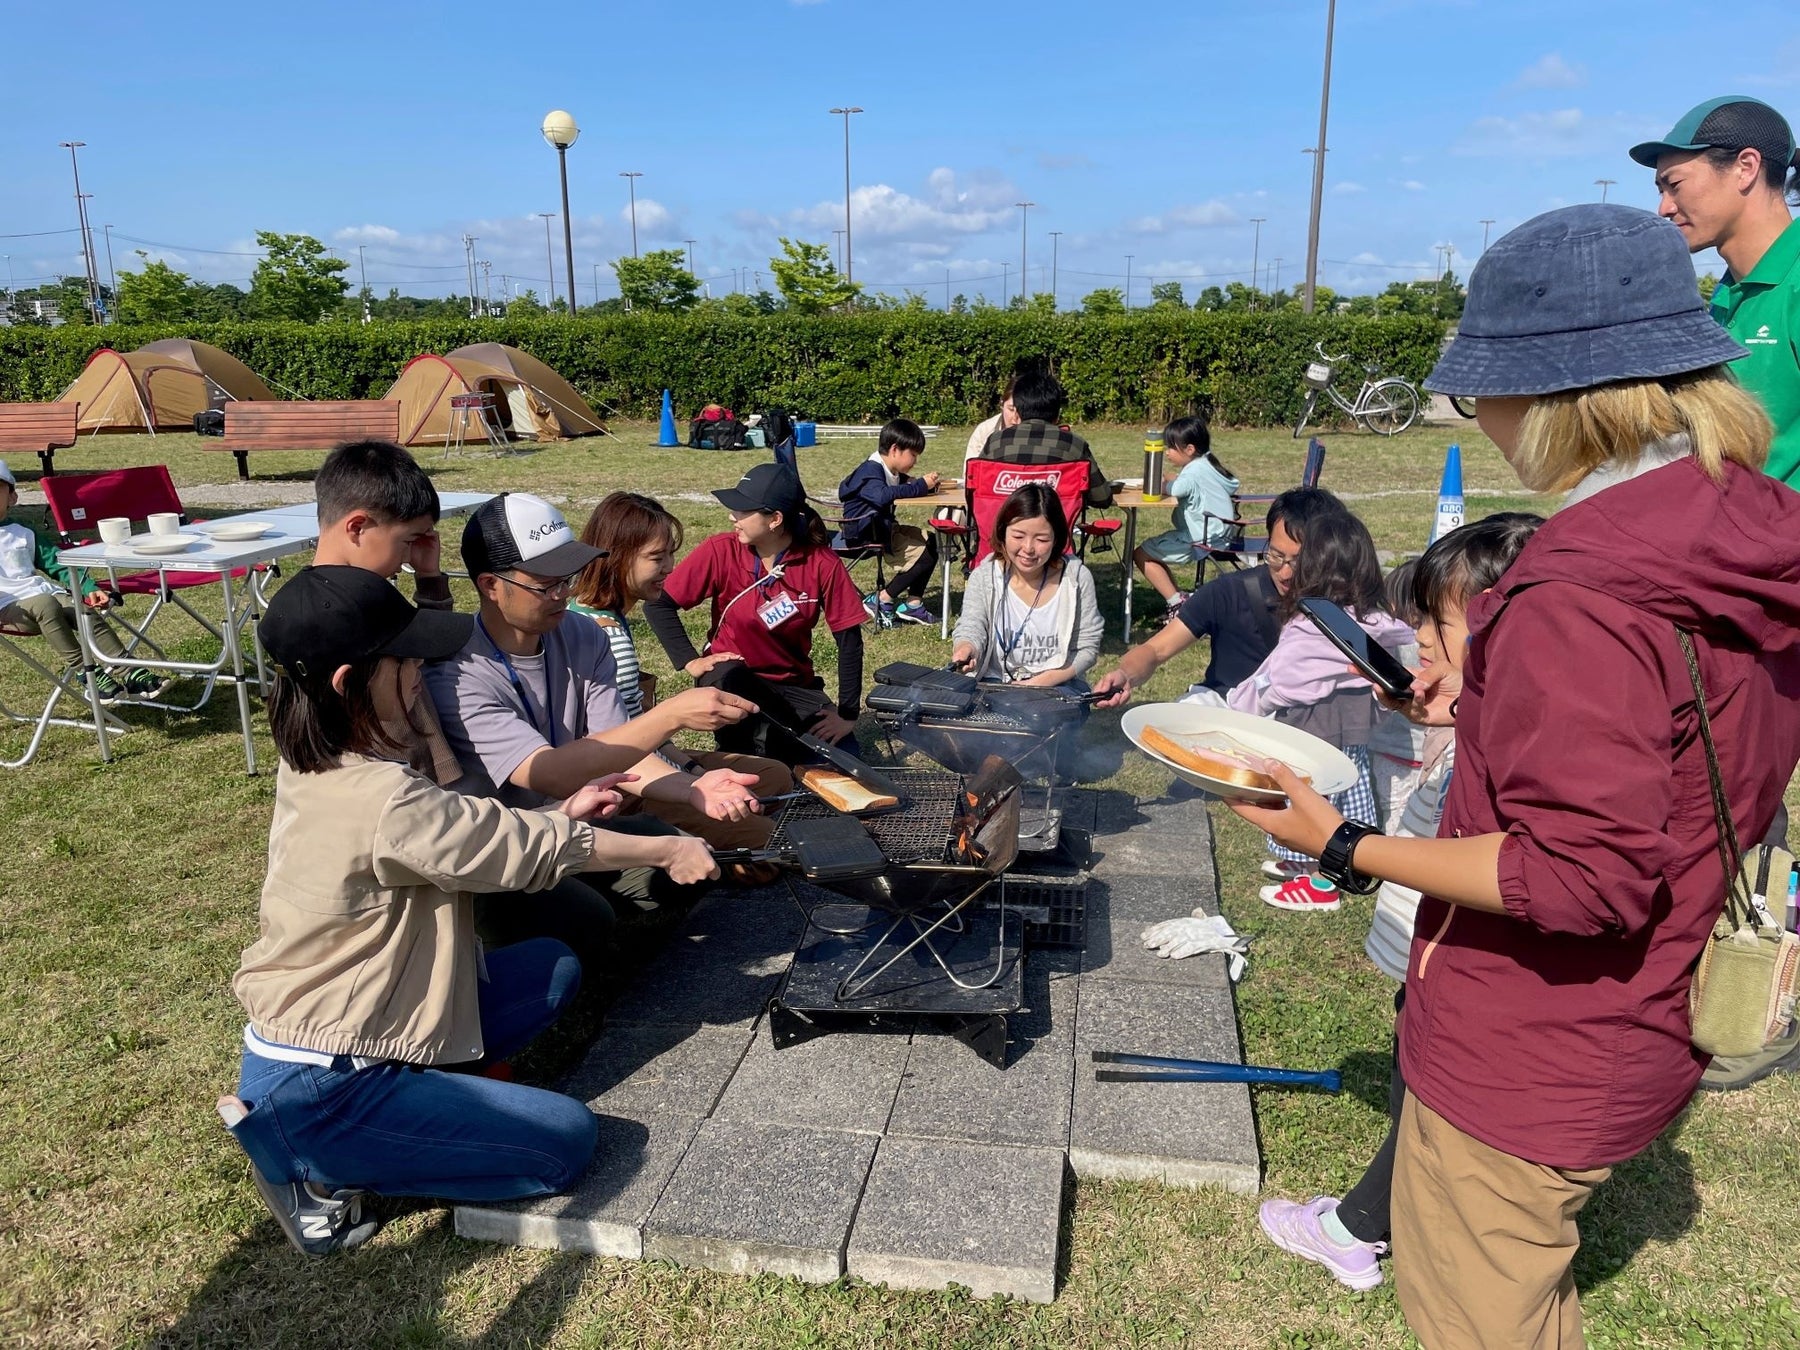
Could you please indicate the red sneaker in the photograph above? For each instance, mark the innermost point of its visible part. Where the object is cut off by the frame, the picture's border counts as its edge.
(1312, 893)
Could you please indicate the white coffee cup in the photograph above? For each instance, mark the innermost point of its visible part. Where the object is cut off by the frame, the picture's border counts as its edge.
(114, 530)
(164, 522)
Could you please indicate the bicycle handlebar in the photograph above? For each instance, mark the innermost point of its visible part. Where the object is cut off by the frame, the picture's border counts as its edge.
(1319, 347)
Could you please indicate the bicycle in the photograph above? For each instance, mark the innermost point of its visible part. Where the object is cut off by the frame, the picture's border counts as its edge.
(1386, 407)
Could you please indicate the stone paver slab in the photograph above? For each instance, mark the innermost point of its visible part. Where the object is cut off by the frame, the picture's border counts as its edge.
(1116, 951)
(981, 1215)
(1187, 1134)
(647, 1072)
(762, 1198)
(840, 1081)
(949, 1092)
(720, 969)
(605, 1214)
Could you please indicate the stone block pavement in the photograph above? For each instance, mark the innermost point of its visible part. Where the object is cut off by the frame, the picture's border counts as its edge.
(900, 1157)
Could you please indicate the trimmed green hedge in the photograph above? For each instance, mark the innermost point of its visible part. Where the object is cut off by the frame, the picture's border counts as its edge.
(1239, 369)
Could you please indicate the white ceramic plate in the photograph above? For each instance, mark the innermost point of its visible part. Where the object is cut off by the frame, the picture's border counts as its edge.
(156, 544)
(234, 531)
(1329, 768)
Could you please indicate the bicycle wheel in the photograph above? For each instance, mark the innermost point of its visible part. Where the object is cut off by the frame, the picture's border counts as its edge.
(1465, 407)
(1312, 399)
(1391, 407)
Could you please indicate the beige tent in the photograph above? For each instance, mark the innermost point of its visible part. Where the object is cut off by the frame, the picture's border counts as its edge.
(159, 386)
(530, 398)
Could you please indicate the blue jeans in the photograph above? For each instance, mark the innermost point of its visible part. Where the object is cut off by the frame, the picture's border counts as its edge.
(398, 1129)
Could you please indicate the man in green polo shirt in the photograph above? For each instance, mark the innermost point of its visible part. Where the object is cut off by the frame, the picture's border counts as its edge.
(1725, 174)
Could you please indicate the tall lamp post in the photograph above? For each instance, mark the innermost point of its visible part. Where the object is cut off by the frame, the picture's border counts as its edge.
(849, 257)
(560, 130)
(1255, 255)
(550, 258)
(1128, 258)
(87, 239)
(1318, 191)
(1055, 241)
(1603, 184)
(690, 244)
(631, 176)
(1486, 224)
(1024, 275)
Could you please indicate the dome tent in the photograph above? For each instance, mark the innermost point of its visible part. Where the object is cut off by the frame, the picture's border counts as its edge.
(159, 387)
(530, 398)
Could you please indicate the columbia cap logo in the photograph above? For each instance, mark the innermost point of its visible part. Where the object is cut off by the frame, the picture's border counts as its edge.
(535, 525)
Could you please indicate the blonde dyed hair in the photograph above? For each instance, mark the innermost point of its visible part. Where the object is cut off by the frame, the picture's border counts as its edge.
(1566, 436)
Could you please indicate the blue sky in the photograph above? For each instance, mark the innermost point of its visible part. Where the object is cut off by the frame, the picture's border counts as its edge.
(1156, 130)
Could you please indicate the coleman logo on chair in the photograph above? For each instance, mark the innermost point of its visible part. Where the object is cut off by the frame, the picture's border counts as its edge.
(1010, 481)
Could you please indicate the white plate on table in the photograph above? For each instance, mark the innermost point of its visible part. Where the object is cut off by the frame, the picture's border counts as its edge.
(1329, 768)
(237, 531)
(158, 544)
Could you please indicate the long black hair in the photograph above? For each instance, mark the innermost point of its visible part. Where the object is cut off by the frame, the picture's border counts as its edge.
(1469, 560)
(314, 726)
(1338, 564)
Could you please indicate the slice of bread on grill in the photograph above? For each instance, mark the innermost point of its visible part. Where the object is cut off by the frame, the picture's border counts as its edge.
(841, 790)
(1215, 755)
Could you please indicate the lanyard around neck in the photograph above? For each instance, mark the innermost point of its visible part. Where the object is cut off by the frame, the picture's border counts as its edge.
(549, 729)
(1007, 644)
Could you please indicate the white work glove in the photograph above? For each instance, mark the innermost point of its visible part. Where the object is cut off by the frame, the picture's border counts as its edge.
(1204, 697)
(1202, 932)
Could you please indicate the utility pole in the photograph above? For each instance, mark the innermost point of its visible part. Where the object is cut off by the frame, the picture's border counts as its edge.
(1024, 274)
(487, 289)
(690, 244)
(1128, 258)
(363, 268)
(1318, 192)
(111, 276)
(549, 259)
(1486, 223)
(87, 239)
(1256, 256)
(1055, 241)
(631, 176)
(469, 263)
(849, 257)
(1005, 283)
(596, 285)
(1277, 287)
(1603, 184)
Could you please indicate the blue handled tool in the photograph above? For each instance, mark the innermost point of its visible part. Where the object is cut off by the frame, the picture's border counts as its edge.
(1160, 1069)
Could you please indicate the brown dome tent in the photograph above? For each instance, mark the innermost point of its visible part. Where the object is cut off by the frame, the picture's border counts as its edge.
(159, 387)
(530, 398)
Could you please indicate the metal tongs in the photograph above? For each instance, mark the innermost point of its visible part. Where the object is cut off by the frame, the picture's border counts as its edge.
(1160, 1069)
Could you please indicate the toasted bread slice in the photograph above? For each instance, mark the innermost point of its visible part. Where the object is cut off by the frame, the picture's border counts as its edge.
(1215, 761)
(841, 790)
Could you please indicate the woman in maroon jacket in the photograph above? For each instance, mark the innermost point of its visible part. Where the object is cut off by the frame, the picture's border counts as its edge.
(1545, 1036)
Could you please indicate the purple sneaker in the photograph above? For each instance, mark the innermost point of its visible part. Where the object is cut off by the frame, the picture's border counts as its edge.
(1294, 1227)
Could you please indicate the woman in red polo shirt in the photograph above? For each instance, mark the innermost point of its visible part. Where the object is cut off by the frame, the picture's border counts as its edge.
(771, 578)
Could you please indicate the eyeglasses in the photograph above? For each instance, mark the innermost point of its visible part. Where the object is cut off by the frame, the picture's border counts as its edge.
(556, 590)
(1280, 562)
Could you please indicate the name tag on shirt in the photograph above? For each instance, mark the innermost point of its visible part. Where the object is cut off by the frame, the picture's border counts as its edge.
(777, 611)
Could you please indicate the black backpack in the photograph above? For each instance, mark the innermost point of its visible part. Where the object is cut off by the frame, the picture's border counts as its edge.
(777, 426)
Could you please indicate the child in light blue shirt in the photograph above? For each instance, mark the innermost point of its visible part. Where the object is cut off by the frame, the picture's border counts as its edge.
(1205, 495)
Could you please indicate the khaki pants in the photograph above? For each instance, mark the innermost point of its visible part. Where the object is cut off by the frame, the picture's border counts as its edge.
(1483, 1241)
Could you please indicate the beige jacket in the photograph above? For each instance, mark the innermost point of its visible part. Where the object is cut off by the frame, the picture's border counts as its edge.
(367, 942)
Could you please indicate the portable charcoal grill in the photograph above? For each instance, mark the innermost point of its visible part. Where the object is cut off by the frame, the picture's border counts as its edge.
(913, 943)
(962, 726)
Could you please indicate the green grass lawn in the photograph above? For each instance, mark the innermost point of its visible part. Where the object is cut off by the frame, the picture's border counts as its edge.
(126, 1215)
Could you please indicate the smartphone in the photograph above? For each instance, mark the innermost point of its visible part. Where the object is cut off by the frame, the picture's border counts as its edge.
(1367, 655)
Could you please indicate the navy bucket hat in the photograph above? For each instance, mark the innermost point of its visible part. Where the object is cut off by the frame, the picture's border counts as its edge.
(1577, 297)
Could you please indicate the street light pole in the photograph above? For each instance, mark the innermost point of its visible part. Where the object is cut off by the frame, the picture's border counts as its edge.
(1128, 258)
(87, 240)
(1005, 283)
(690, 244)
(1603, 184)
(1486, 223)
(631, 176)
(560, 130)
(837, 245)
(1055, 242)
(849, 255)
(549, 257)
(1255, 255)
(1318, 192)
(1024, 274)
(112, 277)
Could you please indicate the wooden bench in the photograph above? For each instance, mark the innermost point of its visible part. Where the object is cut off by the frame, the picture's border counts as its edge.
(42, 428)
(267, 424)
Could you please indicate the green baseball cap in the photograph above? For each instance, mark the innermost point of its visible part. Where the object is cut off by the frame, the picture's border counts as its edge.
(1733, 122)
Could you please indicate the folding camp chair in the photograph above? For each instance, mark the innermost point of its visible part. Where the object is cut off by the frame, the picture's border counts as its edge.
(1242, 545)
(78, 502)
(61, 684)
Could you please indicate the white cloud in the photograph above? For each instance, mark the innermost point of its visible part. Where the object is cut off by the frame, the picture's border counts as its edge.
(651, 215)
(366, 234)
(1550, 71)
(1550, 135)
(1413, 185)
(1191, 216)
(1347, 188)
(952, 203)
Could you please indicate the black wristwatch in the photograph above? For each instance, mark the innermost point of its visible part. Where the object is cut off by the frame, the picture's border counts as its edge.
(1334, 859)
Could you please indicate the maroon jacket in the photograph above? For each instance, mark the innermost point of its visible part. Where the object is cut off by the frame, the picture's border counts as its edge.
(1558, 1032)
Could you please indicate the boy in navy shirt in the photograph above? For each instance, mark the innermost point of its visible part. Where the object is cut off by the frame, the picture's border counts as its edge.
(867, 500)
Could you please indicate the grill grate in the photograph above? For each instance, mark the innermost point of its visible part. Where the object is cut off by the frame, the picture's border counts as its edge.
(917, 832)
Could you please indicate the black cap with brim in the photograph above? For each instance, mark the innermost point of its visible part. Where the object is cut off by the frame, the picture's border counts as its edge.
(767, 487)
(333, 616)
